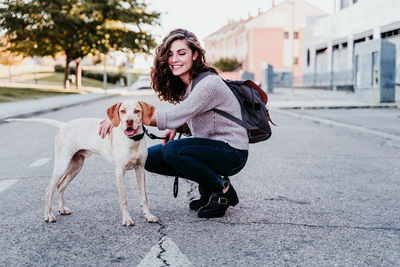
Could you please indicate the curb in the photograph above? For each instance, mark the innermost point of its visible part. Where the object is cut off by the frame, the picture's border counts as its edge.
(388, 106)
(56, 108)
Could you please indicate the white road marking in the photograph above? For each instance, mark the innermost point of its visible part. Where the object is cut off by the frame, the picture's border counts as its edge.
(341, 124)
(6, 184)
(39, 163)
(171, 255)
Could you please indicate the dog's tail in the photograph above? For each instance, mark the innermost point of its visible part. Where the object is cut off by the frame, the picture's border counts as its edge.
(55, 123)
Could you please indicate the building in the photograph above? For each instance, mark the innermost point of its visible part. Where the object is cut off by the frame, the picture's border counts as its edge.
(330, 41)
(274, 36)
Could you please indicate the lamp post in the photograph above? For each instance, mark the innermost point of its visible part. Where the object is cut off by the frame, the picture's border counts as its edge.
(291, 2)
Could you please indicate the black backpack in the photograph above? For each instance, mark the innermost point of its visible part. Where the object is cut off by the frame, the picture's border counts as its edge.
(253, 102)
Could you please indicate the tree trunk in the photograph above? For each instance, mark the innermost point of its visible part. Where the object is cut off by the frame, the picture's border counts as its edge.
(66, 73)
(9, 72)
(78, 74)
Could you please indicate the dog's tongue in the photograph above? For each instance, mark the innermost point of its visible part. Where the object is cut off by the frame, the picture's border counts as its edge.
(130, 131)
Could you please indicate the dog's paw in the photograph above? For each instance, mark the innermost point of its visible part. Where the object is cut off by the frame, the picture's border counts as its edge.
(49, 218)
(65, 211)
(151, 218)
(127, 221)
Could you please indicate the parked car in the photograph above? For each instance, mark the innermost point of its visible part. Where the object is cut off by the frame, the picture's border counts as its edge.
(143, 82)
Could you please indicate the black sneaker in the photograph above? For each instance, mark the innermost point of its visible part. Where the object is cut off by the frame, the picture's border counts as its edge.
(219, 203)
(205, 194)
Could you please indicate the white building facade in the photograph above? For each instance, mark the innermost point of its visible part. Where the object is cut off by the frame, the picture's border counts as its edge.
(329, 41)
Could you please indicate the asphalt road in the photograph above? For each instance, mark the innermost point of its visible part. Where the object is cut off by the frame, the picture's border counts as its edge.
(313, 195)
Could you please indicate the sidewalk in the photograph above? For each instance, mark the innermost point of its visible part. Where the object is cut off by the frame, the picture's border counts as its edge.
(29, 108)
(283, 98)
(299, 98)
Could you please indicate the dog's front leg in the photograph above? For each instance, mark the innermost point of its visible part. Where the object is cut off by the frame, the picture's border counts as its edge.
(126, 218)
(141, 183)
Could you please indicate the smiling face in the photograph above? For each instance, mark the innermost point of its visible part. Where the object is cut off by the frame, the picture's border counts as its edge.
(180, 60)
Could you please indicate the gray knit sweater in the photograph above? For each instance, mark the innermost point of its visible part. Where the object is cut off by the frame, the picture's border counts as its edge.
(196, 110)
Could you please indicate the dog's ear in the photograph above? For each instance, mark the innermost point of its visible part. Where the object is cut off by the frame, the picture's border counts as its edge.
(148, 112)
(113, 114)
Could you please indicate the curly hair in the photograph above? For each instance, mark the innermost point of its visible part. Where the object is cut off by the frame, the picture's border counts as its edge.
(167, 86)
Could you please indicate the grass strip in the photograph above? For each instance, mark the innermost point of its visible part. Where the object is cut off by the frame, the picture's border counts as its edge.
(8, 94)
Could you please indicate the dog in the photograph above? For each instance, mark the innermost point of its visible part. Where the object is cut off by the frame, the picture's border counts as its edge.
(124, 147)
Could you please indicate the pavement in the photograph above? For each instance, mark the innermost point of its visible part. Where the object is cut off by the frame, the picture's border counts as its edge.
(281, 98)
(28, 108)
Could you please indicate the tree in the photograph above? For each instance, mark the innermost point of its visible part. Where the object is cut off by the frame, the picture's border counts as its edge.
(8, 58)
(227, 64)
(77, 28)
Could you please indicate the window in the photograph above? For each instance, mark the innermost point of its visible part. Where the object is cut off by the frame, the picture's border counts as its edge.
(322, 50)
(359, 40)
(296, 35)
(390, 33)
(295, 60)
(286, 35)
(308, 57)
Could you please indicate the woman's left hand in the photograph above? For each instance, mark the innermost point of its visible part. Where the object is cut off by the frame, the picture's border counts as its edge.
(170, 134)
(105, 127)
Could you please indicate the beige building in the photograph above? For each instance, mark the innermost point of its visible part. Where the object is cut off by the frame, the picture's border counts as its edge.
(273, 36)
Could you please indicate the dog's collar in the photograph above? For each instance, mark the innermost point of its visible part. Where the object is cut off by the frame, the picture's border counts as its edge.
(138, 137)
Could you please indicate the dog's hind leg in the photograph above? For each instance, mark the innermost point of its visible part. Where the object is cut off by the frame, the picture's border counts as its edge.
(73, 169)
(60, 166)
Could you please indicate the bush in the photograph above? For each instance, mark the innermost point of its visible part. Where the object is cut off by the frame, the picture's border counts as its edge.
(112, 77)
(227, 64)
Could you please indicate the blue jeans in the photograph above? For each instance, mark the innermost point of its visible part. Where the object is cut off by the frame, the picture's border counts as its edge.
(197, 159)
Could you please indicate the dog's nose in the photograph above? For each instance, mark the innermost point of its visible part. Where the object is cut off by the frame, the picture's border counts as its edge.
(129, 122)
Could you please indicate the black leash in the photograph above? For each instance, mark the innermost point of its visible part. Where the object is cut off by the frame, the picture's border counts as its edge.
(139, 137)
(152, 136)
(176, 181)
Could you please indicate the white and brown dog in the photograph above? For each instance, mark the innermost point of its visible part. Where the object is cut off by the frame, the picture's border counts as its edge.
(125, 148)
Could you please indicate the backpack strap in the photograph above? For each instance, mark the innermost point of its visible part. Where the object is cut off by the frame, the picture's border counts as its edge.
(200, 77)
(203, 75)
(232, 118)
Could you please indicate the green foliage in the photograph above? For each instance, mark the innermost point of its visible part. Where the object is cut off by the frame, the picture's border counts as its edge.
(226, 64)
(76, 27)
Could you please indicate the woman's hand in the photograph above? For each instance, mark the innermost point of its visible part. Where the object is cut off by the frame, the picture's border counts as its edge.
(105, 127)
(170, 134)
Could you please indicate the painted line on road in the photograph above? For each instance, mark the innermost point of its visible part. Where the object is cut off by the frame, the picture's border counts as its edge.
(170, 256)
(6, 184)
(341, 124)
(39, 162)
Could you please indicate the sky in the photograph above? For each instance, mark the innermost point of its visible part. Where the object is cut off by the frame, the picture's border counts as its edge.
(203, 17)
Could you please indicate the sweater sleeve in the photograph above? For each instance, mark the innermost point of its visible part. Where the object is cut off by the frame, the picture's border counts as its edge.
(201, 99)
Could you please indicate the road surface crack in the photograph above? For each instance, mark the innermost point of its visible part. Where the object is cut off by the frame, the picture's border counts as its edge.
(161, 240)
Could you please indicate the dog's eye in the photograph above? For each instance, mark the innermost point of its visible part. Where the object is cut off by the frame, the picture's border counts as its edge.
(136, 111)
(123, 111)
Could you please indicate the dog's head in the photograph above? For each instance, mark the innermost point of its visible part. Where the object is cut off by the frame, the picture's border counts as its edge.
(130, 115)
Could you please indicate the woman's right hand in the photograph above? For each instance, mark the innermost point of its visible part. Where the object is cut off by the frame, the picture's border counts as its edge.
(105, 127)
(170, 134)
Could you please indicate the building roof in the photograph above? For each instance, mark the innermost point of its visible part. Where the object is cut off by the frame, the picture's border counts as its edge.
(234, 25)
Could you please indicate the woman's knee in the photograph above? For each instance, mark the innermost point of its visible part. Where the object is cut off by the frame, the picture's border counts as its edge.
(170, 151)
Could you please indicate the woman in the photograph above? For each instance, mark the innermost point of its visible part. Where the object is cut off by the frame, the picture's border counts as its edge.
(218, 146)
